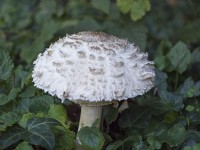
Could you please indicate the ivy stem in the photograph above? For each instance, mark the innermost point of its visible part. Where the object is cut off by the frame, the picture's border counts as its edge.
(176, 80)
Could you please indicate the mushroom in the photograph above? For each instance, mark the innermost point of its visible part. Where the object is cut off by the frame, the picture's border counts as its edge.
(93, 69)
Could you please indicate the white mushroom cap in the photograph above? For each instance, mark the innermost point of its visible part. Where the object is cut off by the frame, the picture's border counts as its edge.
(93, 66)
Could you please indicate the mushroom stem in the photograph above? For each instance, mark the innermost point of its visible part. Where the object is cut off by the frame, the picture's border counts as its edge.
(89, 114)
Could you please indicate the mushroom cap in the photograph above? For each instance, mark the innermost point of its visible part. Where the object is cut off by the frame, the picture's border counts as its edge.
(93, 67)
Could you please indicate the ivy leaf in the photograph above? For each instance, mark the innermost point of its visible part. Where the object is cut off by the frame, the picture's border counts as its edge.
(190, 108)
(160, 62)
(91, 138)
(23, 106)
(8, 119)
(40, 133)
(88, 23)
(196, 56)
(27, 116)
(193, 147)
(103, 5)
(64, 138)
(41, 104)
(170, 117)
(175, 135)
(11, 96)
(161, 78)
(136, 8)
(189, 88)
(197, 89)
(155, 144)
(155, 128)
(22, 77)
(189, 32)
(180, 57)
(45, 11)
(32, 50)
(6, 65)
(23, 121)
(194, 118)
(110, 114)
(115, 145)
(174, 100)
(156, 107)
(24, 146)
(130, 116)
(59, 113)
(28, 92)
(11, 136)
(138, 143)
(192, 137)
(136, 33)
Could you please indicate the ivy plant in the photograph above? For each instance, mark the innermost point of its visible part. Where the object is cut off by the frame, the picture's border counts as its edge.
(165, 118)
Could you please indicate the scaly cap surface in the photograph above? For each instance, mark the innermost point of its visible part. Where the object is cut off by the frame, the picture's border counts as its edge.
(93, 66)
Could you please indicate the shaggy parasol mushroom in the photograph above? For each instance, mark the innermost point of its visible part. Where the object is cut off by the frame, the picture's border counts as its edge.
(93, 69)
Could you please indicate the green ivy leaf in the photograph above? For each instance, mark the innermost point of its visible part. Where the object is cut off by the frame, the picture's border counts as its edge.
(22, 77)
(173, 100)
(41, 104)
(180, 57)
(188, 88)
(117, 144)
(196, 56)
(28, 92)
(131, 116)
(156, 107)
(170, 117)
(175, 135)
(197, 89)
(88, 23)
(190, 108)
(136, 33)
(194, 118)
(64, 138)
(155, 144)
(59, 113)
(161, 78)
(91, 138)
(196, 147)
(189, 32)
(6, 65)
(31, 52)
(24, 146)
(110, 114)
(103, 5)
(23, 121)
(12, 136)
(11, 96)
(9, 119)
(138, 143)
(136, 8)
(45, 11)
(155, 128)
(40, 133)
(192, 138)
(160, 62)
